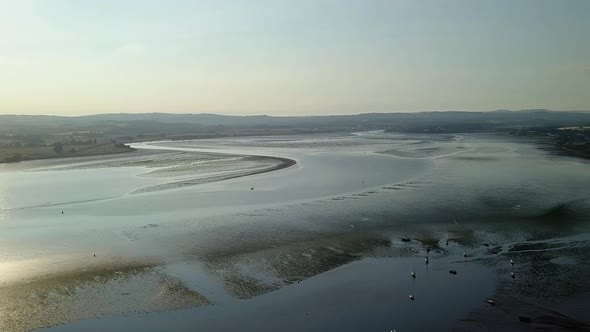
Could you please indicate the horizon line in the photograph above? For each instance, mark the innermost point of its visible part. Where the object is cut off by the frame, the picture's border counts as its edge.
(296, 116)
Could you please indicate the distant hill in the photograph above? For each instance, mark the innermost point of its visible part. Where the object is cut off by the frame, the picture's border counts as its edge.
(203, 125)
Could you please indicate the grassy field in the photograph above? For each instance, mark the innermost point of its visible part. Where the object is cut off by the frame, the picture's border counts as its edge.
(16, 154)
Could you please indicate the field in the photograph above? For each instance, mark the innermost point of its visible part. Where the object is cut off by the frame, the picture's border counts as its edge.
(16, 154)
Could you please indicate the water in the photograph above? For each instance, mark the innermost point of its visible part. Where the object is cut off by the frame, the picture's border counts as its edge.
(367, 295)
(349, 197)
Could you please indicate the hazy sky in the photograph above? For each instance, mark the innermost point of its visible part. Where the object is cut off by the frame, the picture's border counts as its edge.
(292, 57)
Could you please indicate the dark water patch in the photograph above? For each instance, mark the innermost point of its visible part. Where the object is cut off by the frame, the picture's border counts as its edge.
(539, 246)
(430, 241)
(475, 158)
(494, 251)
(544, 246)
(409, 185)
(150, 226)
(428, 150)
(392, 188)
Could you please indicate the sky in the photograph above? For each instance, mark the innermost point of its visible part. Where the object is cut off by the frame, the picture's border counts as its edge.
(296, 57)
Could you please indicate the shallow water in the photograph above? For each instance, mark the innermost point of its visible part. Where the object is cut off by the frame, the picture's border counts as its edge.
(348, 197)
(369, 295)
